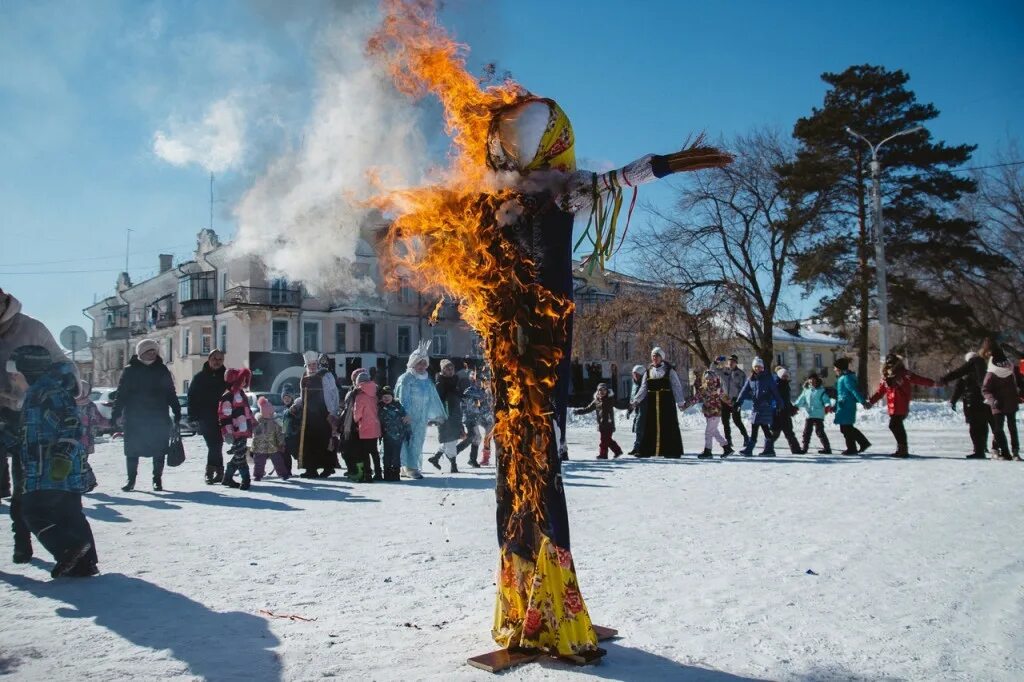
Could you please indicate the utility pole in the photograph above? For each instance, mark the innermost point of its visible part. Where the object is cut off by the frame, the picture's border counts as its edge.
(880, 264)
(211, 200)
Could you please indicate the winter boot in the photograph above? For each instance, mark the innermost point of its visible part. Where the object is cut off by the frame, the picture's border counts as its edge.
(130, 485)
(705, 455)
(455, 467)
(218, 474)
(769, 449)
(486, 459)
(230, 483)
(435, 460)
(69, 559)
(158, 484)
(727, 451)
(392, 474)
(378, 473)
(209, 474)
(473, 450)
(22, 555)
(244, 485)
(604, 456)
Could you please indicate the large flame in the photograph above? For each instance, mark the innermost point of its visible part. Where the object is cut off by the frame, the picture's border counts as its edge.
(446, 239)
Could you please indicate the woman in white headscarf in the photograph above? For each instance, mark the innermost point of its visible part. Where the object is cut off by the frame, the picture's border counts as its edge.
(422, 404)
(660, 393)
(320, 403)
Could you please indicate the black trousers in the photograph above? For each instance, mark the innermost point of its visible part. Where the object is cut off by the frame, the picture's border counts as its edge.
(22, 535)
(818, 427)
(783, 426)
(392, 459)
(132, 464)
(1010, 420)
(55, 517)
(732, 413)
(977, 426)
(899, 431)
(855, 440)
(214, 446)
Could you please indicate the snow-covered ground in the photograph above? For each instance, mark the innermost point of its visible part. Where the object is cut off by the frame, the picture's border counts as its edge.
(797, 568)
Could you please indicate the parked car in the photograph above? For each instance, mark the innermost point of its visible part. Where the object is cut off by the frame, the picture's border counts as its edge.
(103, 398)
(186, 427)
(274, 398)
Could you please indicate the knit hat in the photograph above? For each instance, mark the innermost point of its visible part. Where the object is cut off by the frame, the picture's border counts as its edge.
(734, 357)
(32, 361)
(387, 390)
(359, 376)
(842, 364)
(758, 362)
(266, 409)
(238, 377)
(782, 372)
(658, 351)
(639, 369)
(602, 385)
(146, 344)
(447, 363)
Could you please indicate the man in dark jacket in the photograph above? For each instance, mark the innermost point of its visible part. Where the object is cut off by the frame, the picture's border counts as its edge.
(733, 379)
(450, 432)
(968, 378)
(203, 397)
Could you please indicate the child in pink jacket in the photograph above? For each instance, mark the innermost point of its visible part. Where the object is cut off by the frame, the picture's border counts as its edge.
(367, 425)
(236, 425)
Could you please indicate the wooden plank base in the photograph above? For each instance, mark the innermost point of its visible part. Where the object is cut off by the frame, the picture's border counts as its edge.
(503, 659)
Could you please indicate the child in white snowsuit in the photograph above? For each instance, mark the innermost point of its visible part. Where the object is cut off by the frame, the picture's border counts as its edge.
(712, 397)
(236, 424)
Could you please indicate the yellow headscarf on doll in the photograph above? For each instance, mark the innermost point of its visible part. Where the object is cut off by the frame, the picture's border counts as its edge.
(532, 134)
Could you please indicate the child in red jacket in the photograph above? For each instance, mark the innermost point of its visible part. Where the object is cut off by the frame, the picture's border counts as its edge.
(896, 385)
(236, 424)
(604, 405)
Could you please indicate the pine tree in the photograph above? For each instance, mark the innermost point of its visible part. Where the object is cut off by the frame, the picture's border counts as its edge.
(925, 237)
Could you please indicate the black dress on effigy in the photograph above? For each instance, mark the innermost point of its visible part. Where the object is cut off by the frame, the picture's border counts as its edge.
(661, 422)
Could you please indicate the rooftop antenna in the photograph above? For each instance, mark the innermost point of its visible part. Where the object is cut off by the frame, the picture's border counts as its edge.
(127, 247)
(211, 200)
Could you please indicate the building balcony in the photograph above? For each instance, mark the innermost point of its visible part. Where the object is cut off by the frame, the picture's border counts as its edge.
(262, 297)
(138, 329)
(116, 333)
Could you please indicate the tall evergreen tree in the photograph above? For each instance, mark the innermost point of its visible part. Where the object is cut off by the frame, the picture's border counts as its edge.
(925, 237)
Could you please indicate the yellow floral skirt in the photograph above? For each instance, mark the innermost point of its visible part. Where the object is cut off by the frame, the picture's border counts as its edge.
(539, 605)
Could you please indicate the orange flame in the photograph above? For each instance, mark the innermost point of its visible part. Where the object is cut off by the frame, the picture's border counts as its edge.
(447, 239)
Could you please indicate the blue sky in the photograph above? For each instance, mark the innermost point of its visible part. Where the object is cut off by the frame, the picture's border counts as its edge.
(85, 87)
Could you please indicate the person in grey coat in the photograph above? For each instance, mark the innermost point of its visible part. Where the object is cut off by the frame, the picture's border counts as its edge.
(733, 379)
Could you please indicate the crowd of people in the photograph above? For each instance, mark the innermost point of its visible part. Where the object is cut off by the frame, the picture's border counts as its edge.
(378, 433)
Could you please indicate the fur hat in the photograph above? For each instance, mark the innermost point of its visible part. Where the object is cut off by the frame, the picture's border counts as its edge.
(387, 390)
(266, 409)
(447, 363)
(360, 376)
(758, 362)
(146, 344)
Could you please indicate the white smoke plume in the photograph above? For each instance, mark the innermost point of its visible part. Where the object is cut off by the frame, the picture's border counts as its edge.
(216, 143)
(302, 217)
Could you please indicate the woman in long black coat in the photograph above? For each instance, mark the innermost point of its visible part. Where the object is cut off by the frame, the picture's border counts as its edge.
(145, 400)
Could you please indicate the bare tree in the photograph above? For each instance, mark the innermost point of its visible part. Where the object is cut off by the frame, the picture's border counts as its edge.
(727, 248)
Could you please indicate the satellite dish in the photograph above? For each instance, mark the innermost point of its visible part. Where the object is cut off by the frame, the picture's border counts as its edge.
(74, 338)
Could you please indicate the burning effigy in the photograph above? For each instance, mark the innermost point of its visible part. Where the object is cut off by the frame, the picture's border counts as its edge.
(495, 233)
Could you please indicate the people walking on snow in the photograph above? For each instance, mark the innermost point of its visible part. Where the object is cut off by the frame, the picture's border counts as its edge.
(395, 431)
(847, 399)
(968, 379)
(814, 399)
(760, 388)
(237, 424)
(713, 402)
(47, 449)
(449, 432)
(145, 394)
(292, 427)
(419, 397)
(1001, 388)
(660, 393)
(637, 412)
(604, 405)
(733, 379)
(268, 443)
(203, 400)
(896, 386)
(320, 404)
(366, 425)
(91, 419)
(476, 416)
(782, 425)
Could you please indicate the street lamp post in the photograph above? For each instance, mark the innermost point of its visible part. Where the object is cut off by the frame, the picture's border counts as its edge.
(880, 264)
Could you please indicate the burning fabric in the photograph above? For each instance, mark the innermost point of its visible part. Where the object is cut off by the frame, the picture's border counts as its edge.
(505, 206)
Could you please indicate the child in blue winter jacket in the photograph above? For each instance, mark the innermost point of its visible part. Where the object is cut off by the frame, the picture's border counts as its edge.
(814, 399)
(762, 391)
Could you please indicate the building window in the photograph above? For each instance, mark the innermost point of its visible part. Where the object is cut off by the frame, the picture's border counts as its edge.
(340, 343)
(223, 284)
(367, 338)
(624, 350)
(224, 338)
(439, 344)
(186, 339)
(405, 294)
(197, 287)
(404, 340)
(817, 361)
(604, 348)
(279, 291)
(205, 340)
(169, 348)
(279, 336)
(184, 385)
(780, 359)
(799, 360)
(311, 336)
